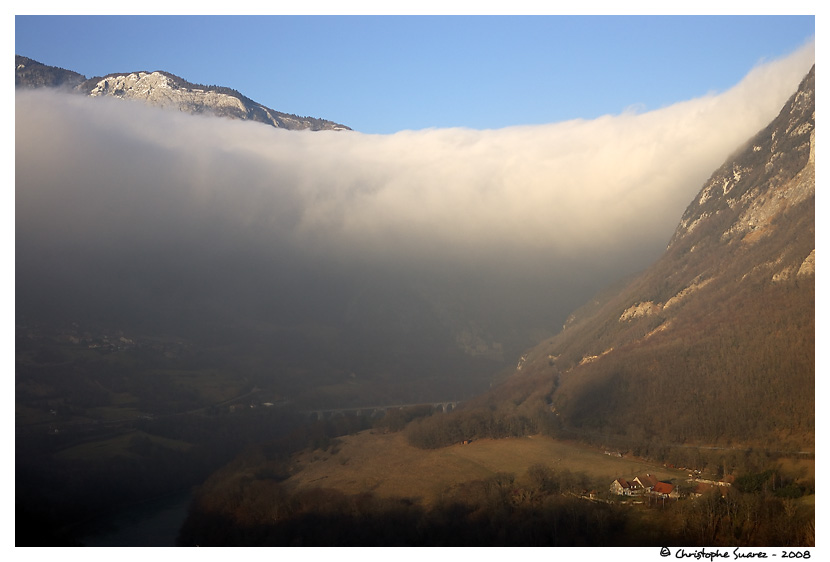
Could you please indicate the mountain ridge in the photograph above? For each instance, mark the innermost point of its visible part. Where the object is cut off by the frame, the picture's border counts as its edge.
(164, 89)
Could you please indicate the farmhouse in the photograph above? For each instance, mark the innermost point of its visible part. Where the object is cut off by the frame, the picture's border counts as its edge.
(647, 484)
(621, 487)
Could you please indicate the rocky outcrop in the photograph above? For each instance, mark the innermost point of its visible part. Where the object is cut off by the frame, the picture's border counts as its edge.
(160, 90)
(640, 310)
(695, 286)
(650, 308)
(775, 172)
(808, 266)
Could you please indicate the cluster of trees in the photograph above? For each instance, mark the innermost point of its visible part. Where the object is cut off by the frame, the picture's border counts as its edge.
(744, 519)
(521, 406)
(772, 481)
(396, 419)
(716, 462)
(442, 430)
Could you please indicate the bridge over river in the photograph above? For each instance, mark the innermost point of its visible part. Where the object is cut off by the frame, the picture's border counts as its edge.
(373, 411)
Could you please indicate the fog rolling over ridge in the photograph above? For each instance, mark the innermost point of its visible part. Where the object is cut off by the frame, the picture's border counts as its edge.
(419, 254)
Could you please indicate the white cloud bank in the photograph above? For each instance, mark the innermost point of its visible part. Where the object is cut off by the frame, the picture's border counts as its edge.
(127, 182)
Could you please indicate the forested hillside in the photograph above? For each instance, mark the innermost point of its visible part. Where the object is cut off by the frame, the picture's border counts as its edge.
(715, 343)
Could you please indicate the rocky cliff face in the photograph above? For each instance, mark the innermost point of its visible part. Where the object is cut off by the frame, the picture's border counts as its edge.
(163, 89)
(695, 345)
(776, 171)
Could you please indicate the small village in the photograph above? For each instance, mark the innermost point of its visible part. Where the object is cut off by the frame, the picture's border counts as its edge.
(648, 485)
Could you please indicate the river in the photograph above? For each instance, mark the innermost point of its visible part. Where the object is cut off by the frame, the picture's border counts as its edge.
(152, 523)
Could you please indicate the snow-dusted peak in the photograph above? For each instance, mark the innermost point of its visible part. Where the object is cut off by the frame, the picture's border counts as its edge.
(161, 90)
(166, 90)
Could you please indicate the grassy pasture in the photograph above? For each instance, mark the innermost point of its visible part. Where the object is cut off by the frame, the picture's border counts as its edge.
(388, 466)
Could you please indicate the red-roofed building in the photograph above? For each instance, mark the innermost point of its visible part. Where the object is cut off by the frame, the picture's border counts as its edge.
(665, 490)
(647, 482)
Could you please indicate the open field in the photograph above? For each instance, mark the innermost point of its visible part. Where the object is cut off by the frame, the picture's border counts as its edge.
(387, 465)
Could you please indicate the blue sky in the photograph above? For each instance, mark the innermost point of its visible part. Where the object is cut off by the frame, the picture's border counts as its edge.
(382, 74)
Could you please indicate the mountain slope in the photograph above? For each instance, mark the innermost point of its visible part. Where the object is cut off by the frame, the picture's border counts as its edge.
(715, 342)
(32, 74)
(163, 89)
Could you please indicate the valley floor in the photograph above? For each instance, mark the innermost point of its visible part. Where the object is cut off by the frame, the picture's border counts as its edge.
(373, 488)
(388, 466)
